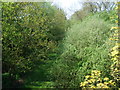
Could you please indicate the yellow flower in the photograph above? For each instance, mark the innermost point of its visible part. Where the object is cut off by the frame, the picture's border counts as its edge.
(116, 31)
(106, 78)
(110, 81)
(116, 34)
(116, 21)
(113, 39)
(83, 83)
(118, 44)
(115, 52)
(87, 76)
(105, 86)
(116, 69)
(115, 47)
(113, 83)
(100, 85)
(99, 79)
(92, 86)
(106, 83)
(115, 58)
(110, 38)
(96, 73)
(91, 80)
(114, 28)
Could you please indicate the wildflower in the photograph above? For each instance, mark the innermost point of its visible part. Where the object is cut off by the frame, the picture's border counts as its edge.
(99, 79)
(116, 69)
(115, 47)
(83, 83)
(87, 76)
(106, 83)
(118, 44)
(115, 58)
(116, 34)
(96, 73)
(116, 31)
(106, 78)
(93, 80)
(89, 81)
(110, 38)
(115, 52)
(116, 21)
(114, 28)
(110, 81)
(113, 39)
(105, 86)
(92, 86)
(100, 85)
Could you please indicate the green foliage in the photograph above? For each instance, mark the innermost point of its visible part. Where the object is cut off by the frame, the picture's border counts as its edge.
(106, 15)
(85, 49)
(115, 54)
(36, 33)
(28, 38)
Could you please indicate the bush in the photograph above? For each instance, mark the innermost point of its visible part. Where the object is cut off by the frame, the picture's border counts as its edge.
(115, 54)
(27, 30)
(85, 49)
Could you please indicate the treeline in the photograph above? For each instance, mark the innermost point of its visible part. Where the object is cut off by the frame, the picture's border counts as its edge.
(31, 33)
(94, 7)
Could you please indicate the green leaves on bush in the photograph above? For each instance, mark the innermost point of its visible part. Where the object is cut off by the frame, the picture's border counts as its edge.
(85, 49)
(29, 34)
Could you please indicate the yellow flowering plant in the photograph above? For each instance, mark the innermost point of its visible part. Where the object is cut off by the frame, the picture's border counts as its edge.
(95, 81)
(115, 51)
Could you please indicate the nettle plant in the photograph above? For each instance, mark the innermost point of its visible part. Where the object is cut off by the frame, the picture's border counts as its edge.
(95, 81)
(115, 51)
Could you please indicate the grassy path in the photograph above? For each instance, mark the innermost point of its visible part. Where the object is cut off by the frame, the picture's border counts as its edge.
(39, 78)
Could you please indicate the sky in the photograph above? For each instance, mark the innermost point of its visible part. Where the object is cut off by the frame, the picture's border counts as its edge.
(69, 6)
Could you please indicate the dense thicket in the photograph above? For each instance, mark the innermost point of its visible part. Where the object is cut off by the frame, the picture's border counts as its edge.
(85, 48)
(31, 32)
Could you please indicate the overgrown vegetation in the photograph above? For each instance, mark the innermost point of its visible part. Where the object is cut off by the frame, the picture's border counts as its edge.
(85, 48)
(31, 33)
(42, 49)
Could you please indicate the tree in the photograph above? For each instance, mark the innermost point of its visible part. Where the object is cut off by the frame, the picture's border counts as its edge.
(27, 28)
(93, 7)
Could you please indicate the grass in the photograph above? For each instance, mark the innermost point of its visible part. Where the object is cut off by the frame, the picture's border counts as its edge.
(40, 77)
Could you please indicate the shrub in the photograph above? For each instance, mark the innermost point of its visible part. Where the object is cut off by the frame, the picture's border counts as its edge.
(115, 51)
(85, 48)
(27, 30)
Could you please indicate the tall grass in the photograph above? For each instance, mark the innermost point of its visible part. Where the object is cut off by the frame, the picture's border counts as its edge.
(85, 49)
